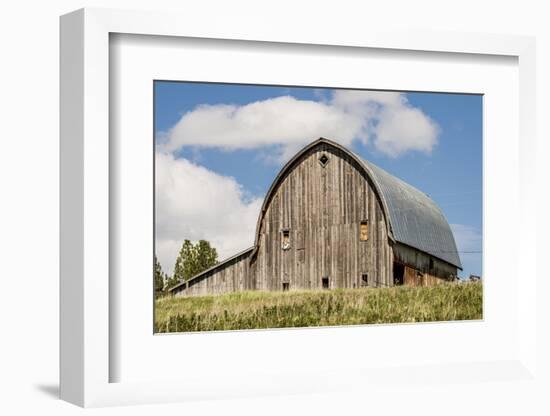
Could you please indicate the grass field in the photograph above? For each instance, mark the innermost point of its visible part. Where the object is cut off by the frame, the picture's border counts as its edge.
(252, 310)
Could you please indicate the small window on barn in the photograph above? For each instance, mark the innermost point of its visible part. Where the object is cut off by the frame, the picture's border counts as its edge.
(431, 263)
(286, 240)
(364, 279)
(323, 160)
(364, 230)
(324, 280)
(286, 286)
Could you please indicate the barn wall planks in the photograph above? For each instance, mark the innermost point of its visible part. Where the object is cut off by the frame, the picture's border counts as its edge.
(230, 276)
(322, 206)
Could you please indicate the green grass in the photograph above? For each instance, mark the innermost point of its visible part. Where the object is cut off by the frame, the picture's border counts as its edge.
(253, 310)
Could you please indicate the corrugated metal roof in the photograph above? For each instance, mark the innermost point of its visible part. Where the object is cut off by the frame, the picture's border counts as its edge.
(415, 219)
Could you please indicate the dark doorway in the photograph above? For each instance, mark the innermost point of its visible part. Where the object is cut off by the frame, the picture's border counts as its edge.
(398, 272)
(325, 282)
(364, 279)
(286, 286)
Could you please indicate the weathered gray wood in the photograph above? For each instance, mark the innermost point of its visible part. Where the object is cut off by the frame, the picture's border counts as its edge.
(323, 207)
(230, 276)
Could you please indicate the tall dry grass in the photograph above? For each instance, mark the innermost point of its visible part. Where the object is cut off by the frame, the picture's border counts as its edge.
(252, 310)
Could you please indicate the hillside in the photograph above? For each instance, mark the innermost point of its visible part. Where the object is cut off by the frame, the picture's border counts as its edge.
(253, 310)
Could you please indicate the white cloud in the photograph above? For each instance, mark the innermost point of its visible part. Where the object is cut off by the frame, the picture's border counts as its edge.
(390, 121)
(384, 119)
(195, 203)
(283, 120)
(402, 128)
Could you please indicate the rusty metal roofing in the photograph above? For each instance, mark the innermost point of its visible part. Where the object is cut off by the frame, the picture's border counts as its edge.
(414, 218)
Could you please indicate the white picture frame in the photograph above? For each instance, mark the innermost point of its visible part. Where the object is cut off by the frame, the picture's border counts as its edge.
(86, 352)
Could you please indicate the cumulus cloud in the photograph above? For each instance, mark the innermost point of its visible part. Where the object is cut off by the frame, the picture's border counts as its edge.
(192, 202)
(402, 128)
(386, 120)
(283, 120)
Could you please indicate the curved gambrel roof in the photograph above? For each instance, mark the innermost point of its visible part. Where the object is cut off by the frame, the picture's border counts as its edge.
(415, 219)
(412, 217)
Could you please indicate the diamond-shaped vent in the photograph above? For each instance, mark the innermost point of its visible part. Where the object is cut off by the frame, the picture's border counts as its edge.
(323, 160)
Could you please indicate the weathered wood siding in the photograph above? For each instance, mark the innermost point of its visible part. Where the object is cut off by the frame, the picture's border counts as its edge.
(322, 208)
(231, 276)
(416, 262)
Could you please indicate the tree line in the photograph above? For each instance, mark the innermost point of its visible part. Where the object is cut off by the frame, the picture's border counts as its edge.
(192, 259)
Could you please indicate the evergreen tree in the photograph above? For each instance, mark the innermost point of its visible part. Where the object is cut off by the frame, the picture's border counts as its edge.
(160, 277)
(207, 256)
(183, 262)
(193, 259)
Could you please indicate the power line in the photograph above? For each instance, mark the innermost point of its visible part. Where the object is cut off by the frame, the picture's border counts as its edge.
(479, 191)
(458, 251)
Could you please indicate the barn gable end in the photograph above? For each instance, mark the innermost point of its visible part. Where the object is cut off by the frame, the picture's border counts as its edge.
(325, 201)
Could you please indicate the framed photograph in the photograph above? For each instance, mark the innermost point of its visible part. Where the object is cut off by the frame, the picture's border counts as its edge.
(290, 213)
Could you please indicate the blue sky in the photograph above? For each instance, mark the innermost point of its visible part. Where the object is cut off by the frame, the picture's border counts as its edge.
(233, 139)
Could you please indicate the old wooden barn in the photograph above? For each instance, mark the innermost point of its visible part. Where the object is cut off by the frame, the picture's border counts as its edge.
(333, 220)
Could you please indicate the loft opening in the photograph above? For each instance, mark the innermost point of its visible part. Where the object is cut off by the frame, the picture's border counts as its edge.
(323, 160)
(285, 244)
(364, 230)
